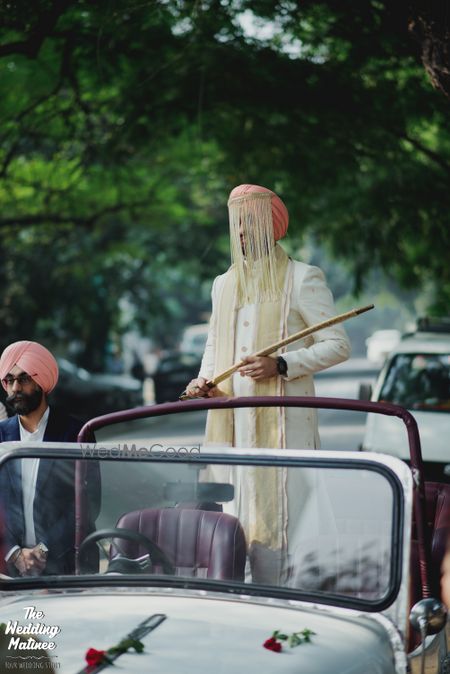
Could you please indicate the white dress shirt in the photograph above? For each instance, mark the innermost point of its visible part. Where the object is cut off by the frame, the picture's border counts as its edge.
(30, 468)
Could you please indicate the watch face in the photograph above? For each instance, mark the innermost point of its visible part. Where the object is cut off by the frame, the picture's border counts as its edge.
(281, 365)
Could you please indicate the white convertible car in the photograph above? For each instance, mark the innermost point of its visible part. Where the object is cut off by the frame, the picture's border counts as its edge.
(226, 560)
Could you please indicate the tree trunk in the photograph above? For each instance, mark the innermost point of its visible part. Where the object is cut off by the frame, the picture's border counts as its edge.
(429, 23)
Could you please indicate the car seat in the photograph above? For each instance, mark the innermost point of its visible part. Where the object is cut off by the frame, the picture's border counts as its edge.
(199, 543)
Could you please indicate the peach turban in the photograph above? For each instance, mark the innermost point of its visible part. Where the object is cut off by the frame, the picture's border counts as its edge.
(32, 358)
(280, 215)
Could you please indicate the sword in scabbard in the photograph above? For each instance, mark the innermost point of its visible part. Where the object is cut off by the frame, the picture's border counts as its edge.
(268, 350)
(132, 640)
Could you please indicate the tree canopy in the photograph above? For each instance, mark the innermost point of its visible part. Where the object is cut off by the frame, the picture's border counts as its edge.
(125, 125)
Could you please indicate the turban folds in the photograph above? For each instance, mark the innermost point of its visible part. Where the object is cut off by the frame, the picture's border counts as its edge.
(32, 358)
(280, 215)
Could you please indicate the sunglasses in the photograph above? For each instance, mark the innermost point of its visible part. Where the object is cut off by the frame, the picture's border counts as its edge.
(23, 379)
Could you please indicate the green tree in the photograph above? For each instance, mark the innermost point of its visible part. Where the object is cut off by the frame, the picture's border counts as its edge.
(124, 126)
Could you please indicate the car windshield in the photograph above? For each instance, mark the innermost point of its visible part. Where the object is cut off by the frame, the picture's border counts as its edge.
(418, 381)
(297, 523)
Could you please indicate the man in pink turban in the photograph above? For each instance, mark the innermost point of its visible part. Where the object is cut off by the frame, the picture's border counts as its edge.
(264, 297)
(37, 494)
(36, 368)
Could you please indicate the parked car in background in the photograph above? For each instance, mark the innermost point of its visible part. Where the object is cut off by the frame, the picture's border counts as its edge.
(417, 377)
(194, 339)
(380, 344)
(85, 394)
(173, 372)
(176, 368)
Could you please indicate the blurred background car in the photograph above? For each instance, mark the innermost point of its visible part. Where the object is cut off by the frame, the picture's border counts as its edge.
(194, 339)
(173, 374)
(85, 394)
(417, 377)
(380, 344)
(176, 368)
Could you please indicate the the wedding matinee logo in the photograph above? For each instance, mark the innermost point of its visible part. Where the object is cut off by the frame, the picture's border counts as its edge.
(16, 632)
(29, 644)
(133, 450)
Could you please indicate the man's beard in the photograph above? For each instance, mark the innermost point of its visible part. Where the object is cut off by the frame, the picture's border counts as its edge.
(25, 403)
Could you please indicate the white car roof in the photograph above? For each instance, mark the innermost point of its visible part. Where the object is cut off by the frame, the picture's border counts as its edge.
(424, 342)
(198, 329)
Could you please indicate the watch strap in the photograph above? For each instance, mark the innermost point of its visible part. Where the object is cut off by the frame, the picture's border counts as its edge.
(282, 366)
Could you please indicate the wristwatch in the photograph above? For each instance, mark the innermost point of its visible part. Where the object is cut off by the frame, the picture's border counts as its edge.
(42, 548)
(282, 366)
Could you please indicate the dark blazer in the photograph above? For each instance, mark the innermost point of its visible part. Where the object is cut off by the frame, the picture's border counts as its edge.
(54, 502)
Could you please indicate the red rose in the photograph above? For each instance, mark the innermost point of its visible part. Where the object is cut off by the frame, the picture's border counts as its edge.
(94, 657)
(272, 645)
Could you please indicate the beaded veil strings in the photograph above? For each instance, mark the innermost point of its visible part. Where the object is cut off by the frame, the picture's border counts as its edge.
(256, 270)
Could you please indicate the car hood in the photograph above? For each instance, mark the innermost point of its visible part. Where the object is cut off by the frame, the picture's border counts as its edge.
(388, 435)
(205, 633)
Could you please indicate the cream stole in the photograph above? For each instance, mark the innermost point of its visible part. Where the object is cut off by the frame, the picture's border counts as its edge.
(265, 487)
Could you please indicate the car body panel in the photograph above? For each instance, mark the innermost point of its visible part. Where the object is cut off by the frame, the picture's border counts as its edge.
(205, 633)
(205, 622)
(221, 624)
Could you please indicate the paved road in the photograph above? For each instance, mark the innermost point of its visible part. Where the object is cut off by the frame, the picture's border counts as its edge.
(338, 430)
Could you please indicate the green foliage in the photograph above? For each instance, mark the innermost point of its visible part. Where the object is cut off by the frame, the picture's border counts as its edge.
(123, 127)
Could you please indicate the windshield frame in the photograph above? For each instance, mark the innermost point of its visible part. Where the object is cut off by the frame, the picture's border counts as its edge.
(87, 434)
(384, 466)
